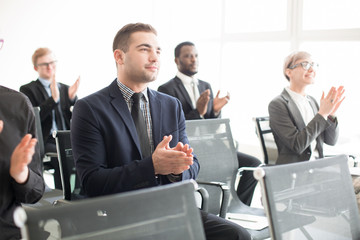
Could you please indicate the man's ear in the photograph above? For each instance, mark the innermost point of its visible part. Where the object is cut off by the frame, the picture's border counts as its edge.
(119, 56)
(288, 72)
(35, 68)
(176, 61)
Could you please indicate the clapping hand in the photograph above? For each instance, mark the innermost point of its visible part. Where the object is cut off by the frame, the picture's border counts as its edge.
(21, 157)
(219, 102)
(74, 88)
(330, 104)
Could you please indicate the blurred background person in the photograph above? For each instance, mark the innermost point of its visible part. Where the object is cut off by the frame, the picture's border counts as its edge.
(55, 100)
(21, 179)
(197, 100)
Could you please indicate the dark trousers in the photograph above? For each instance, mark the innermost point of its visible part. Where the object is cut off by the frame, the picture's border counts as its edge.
(247, 184)
(217, 228)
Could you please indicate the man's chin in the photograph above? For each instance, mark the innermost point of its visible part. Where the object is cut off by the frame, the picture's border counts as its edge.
(190, 73)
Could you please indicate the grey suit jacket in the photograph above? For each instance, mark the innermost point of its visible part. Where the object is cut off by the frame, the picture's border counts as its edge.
(293, 138)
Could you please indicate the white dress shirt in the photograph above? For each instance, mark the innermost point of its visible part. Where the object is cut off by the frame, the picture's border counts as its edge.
(191, 86)
(307, 113)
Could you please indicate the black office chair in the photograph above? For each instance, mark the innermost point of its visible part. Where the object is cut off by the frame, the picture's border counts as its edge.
(49, 158)
(70, 181)
(315, 197)
(267, 142)
(50, 195)
(213, 144)
(164, 212)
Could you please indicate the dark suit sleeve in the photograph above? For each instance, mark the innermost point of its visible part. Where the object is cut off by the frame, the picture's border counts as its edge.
(191, 173)
(210, 111)
(189, 111)
(106, 159)
(179, 135)
(32, 190)
(171, 89)
(35, 96)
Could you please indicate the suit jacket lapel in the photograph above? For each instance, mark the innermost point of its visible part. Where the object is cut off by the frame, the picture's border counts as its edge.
(42, 89)
(156, 116)
(119, 104)
(183, 91)
(294, 111)
(313, 106)
(202, 86)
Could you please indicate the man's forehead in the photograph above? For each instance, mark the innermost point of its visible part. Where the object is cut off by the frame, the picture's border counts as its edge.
(188, 49)
(144, 39)
(49, 56)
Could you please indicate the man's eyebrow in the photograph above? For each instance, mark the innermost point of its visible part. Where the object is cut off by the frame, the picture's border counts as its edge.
(146, 45)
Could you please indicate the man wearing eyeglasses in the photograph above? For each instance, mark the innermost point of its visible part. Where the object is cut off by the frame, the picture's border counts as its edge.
(300, 126)
(54, 99)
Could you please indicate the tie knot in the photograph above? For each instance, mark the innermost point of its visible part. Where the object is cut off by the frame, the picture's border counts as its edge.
(136, 97)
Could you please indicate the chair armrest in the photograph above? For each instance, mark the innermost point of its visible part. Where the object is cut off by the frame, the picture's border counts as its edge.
(204, 198)
(61, 202)
(241, 170)
(225, 201)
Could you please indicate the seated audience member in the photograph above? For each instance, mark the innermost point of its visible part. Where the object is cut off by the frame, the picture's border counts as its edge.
(197, 101)
(127, 136)
(299, 125)
(54, 99)
(21, 179)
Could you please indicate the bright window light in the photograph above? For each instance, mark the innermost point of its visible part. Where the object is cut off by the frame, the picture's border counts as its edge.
(255, 16)
(331, 14)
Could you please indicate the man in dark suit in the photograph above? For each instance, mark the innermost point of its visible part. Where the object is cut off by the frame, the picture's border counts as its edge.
(21, 180)
(54, 99)
(198, 102)
(127, 136)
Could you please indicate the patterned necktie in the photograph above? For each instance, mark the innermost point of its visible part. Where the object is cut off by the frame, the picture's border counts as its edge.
(140, 125)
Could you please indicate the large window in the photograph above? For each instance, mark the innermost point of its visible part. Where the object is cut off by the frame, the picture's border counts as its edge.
(241, 44)
(258, 35)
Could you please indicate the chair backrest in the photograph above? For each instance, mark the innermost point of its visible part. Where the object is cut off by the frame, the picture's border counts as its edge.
(69, 178)
(315, 196)
(164, 212)
(267, 142)
(39, 135)
(213, 145)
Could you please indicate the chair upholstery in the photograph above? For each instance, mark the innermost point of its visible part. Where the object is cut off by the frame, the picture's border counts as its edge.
(213, 144)
(69, 178)
(164, 212)
(267, 142)
(316, 196)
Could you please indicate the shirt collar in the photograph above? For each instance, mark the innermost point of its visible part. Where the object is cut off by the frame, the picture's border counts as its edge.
(186, 80)
(127, 92)
(44, 82)
(296, 96)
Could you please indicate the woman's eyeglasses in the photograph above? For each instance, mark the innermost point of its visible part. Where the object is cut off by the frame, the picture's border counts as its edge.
(306, 65)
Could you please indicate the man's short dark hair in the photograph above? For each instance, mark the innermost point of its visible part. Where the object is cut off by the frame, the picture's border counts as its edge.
(179, 46)
(122, 36)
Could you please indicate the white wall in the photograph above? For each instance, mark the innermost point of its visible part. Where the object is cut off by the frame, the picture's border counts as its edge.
(80, 32)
